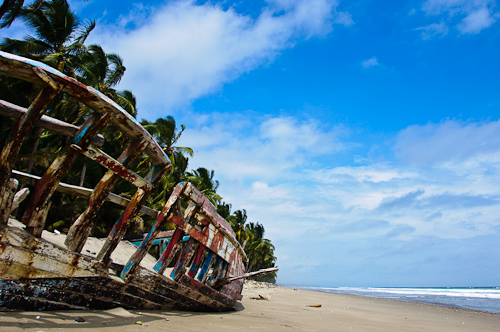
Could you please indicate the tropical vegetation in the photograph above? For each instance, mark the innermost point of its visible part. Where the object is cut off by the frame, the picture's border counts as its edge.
(58, 39)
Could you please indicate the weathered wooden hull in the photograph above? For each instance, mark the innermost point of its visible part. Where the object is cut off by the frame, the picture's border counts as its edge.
(38, 275)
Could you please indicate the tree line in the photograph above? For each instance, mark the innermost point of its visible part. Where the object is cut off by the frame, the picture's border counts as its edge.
(58, 38)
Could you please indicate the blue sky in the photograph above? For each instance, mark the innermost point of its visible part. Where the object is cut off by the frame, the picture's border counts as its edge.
(364, 135)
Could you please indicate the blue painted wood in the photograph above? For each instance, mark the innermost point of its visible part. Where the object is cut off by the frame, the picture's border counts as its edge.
(162, 242)
(182, 258)
(206, 264)
(217, 264)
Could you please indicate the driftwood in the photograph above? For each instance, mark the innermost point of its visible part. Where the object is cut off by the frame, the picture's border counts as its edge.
(224, 281)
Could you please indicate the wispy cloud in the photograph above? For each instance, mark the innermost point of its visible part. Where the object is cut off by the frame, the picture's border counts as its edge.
(468, 16)
(372, 62)
(183, 51)
(449, 142)
(441, 188)
(434, 30)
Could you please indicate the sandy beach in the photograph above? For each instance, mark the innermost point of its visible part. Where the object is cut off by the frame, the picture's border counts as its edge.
(282, 309)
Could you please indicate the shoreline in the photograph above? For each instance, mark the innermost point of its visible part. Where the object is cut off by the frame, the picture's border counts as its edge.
(402, 300)
(273, 309)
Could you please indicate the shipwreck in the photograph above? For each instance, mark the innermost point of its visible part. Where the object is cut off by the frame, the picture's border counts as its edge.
(201, 266)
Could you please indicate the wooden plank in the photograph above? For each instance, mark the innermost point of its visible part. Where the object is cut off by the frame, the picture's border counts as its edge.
(161, 284)
(80, 191)
(196, 261)
(46, 186)
(144, 247)
(120, 226)
(207, 264)
(7, 198)
(167, 256)
(81, 228)
(113, 165)
(17, 135)
(184, 259)
(218, 223)
(22, 68)
(46, 122)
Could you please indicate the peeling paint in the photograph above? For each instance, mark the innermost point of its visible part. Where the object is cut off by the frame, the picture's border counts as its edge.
(38, 275)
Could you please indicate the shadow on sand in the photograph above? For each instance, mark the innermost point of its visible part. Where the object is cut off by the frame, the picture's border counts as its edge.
(93, 318)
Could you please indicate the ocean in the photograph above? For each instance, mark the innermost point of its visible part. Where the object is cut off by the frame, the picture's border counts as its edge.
(474, 298)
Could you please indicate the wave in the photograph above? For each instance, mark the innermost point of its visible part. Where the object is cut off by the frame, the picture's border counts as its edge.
(474, 298)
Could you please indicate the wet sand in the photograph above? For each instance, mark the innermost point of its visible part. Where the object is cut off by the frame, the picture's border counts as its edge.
(285, 309)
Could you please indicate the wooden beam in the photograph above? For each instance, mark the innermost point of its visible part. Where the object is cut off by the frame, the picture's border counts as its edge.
(18, 133)
(80, 191)
(46, 122)
(22, 68)
(57, 170)
(144, 247)
(113, 165)
(121, 225)
(82, 227)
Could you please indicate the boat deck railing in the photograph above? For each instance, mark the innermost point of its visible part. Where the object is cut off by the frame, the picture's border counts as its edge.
(210, 254)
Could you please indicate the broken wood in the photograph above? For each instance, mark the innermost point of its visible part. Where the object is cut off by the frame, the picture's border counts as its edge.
(36, 274)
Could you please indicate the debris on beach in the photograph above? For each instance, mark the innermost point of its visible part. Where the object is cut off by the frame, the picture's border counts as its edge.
(260, 297)
(315, 305)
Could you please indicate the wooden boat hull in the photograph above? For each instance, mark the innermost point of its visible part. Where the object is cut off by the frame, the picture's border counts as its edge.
(38, 275)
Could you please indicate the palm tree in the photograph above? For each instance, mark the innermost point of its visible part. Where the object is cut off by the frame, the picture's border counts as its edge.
(164, 130)
(203, 179)
(10, 10)
(58, 35)
(260, 251)
(224, 210)
(237, 221)
(102, 71)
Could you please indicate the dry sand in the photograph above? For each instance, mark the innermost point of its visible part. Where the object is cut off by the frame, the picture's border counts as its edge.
(285, 309)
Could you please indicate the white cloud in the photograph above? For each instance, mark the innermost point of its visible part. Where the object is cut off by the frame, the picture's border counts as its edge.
(372, 62)
(268, 150)
(434, 30)
(473, 15)
(183, 51)
(476, 21)
(396, 208)
(449, 142)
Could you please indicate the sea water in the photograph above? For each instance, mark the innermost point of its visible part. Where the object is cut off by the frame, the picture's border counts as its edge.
(474, 298)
